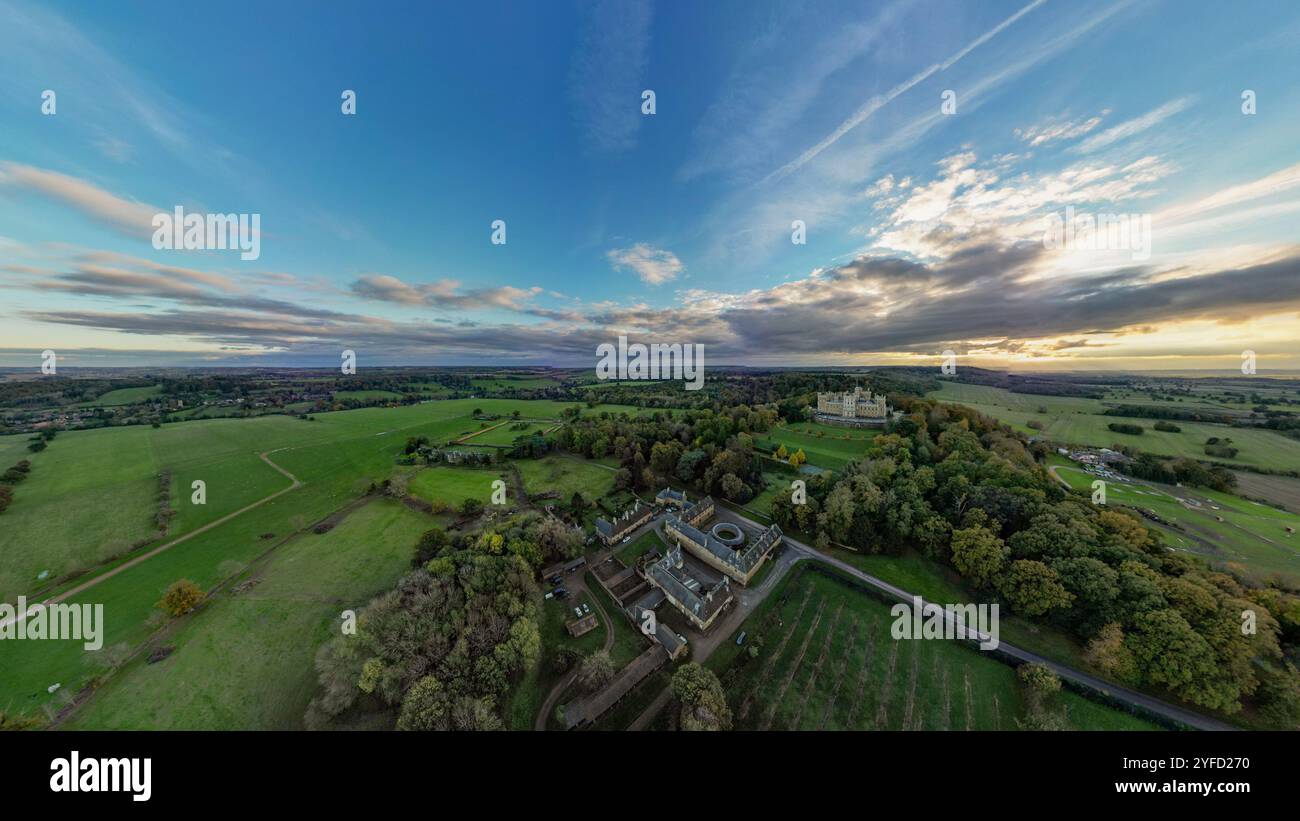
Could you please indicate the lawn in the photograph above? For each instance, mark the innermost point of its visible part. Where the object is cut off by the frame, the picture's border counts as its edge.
(643, 544)
(454, 485)
(826, 660)
(246, 660)
(565, 475)
(826, 446)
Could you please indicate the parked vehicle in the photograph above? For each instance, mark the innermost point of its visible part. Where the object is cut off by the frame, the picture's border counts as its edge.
(740, 640)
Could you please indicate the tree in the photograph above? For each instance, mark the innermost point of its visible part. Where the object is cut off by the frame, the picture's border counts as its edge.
(425, 707)
(1033, 588)
(978, 555)
(1108, 653)
(798, 458)
(595, 671)
(182, 597)
(782, 453)
(703, 702)
(471, 507)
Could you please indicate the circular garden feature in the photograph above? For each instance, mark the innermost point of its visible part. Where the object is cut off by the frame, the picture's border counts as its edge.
(728, 534)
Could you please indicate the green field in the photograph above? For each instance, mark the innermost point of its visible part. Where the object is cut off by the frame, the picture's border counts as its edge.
(454, 485)
(246, 660)
(566, 474)
(826, 446)
(827, 661)
(97, 475)
(1076, 421)
(1251, 539)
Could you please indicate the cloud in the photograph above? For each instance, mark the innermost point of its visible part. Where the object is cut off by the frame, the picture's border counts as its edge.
(128, 217)
(1058, 129)
(654, 266)
(881, 100)
(1131, 127)
(607, 72)
(444, 293)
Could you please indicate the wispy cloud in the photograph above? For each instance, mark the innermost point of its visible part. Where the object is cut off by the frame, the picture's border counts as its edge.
(128, 217)
(607, 72)
(880, 101)
(1134, 126)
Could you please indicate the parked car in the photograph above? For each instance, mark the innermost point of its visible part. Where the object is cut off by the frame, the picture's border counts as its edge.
(585, 609)
(549, 595)
(577, 611)
(627, 539)
(740, 640)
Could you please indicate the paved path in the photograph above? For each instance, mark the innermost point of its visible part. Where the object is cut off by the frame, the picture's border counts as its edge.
(160, 548)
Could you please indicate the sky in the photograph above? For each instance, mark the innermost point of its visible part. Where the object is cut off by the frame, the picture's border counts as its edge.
(819, 183)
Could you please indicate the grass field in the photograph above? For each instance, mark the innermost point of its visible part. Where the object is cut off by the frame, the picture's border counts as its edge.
(1251, 539)
(1078, 421)
(826, 446)
(1280, 490)
(246, 660)
(97, 475)
(454, 485)
(565, 475)
(827, 661)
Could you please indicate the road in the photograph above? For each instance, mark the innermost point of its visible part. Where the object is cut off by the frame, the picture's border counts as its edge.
(160, 548)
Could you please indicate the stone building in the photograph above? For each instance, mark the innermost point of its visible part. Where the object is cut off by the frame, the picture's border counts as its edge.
(857, 409)
(699, 603)
(611, 532)
(687, 530)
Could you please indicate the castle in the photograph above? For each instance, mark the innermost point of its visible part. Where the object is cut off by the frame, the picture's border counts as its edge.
(857, 409)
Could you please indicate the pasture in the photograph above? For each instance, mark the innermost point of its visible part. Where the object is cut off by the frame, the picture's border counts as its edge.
(88, 487)
(246, 660)
(826, 660)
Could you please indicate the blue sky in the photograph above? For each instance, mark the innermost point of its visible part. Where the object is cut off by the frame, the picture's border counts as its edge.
(923, 227)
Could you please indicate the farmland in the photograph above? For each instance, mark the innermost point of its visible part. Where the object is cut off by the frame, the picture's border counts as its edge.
(1080, 421)
(826, 660)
